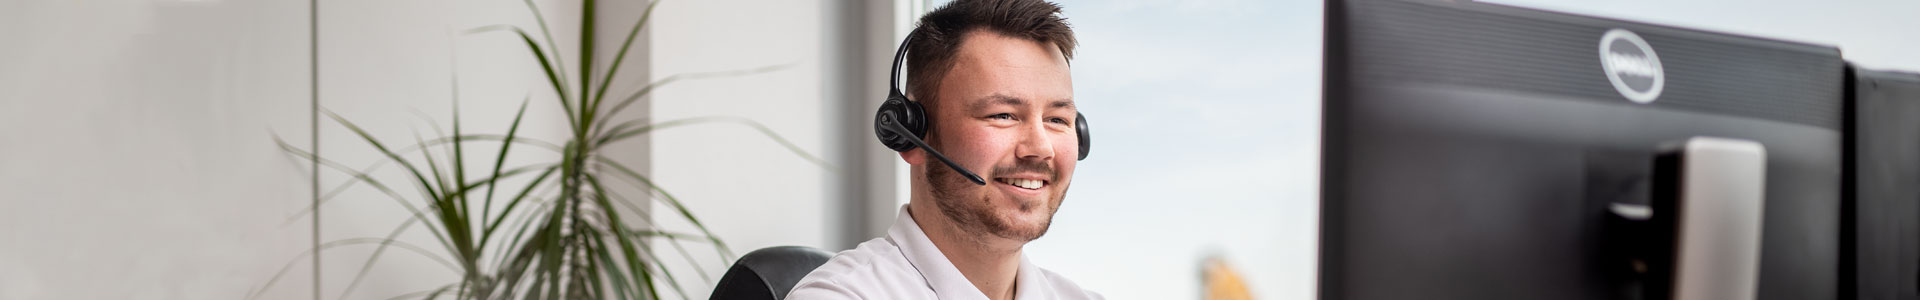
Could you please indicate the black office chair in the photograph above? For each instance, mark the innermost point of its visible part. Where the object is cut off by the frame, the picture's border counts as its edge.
(769, 273)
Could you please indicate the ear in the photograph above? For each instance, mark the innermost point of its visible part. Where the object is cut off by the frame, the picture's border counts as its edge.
(915, 157)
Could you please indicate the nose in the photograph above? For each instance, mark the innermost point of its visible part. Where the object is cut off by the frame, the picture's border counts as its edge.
(1034, 144)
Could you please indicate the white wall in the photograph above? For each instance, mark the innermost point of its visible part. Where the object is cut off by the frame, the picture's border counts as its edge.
(136, 150)
(747, 188)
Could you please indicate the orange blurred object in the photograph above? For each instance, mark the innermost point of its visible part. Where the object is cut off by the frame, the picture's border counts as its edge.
(1221, 282)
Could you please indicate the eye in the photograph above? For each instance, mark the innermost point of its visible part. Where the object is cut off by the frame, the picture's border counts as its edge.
(1001, 116)
(1060, 121)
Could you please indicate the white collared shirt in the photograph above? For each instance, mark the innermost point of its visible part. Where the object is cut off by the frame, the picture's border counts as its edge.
(906, 265)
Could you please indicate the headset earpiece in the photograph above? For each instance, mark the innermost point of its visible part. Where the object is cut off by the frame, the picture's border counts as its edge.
(1086, 137)
(906, 112)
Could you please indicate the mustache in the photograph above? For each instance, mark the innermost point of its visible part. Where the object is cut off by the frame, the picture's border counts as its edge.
(1025, 166)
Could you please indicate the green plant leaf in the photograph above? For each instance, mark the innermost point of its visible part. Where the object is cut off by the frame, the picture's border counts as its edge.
(617, 136)
(486, 208)
(673, 239)
(618, 228)
(620, 286)
(342, 243)
(425, 187)
(725, 253)
(375, 257)
(363, 177)
(504, 212)
(620, 58)
(555, 76)
(427, 294)
(459, 162)
(586, 61)
(648, 89)
(444, 208)
(335, 192)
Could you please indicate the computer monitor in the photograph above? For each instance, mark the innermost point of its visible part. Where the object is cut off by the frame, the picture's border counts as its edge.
(1473, 150)
(1880, 245)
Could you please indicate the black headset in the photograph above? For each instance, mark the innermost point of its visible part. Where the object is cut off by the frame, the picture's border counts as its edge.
(902, 123)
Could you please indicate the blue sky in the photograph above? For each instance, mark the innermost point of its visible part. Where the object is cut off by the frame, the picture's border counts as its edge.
(1206, 128)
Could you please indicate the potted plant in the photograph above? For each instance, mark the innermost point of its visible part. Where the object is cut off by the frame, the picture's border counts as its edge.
(570, 240)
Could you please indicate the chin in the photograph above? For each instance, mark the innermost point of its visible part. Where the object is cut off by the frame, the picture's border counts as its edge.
(1034, 219)
(1024, 219)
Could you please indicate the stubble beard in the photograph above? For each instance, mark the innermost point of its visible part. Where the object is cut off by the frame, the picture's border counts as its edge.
(972, 211)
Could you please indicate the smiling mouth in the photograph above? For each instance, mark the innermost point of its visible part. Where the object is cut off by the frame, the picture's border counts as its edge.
(1030, 184)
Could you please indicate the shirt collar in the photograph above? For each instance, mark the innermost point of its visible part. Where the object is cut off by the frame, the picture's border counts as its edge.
(946, 281)
(1031, 284)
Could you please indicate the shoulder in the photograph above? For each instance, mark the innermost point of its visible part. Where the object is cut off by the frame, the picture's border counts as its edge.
(873, 270)
(1064, 288)
(876, 257)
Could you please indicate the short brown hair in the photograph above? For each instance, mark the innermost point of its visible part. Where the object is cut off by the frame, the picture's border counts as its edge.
(937, 39)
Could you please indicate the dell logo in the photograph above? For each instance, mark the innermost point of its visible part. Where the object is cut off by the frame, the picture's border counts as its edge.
(1631, 65)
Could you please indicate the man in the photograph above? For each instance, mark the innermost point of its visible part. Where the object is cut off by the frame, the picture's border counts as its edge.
(993, 77)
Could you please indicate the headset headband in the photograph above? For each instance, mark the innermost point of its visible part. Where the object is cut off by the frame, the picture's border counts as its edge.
(899, 59)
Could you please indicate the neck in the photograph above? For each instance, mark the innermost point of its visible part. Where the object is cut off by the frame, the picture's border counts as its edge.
(990, 263)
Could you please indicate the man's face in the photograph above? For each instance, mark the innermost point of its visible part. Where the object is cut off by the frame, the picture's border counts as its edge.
(1005, 110)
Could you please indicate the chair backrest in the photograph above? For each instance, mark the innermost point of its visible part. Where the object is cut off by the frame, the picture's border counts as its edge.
(769, 273)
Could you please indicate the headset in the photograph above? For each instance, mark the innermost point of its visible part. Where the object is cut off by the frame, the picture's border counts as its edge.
(902, 123)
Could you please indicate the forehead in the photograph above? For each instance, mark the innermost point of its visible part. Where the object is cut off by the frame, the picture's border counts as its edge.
(990, 64)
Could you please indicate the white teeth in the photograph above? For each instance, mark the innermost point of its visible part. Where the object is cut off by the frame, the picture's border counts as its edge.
(1030, 184)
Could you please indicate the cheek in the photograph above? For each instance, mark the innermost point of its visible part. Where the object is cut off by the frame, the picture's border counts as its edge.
(1067, 145)
(976, 144)
(1067, 155)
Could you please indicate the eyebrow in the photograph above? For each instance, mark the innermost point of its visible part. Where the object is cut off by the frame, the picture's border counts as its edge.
(1002, 99)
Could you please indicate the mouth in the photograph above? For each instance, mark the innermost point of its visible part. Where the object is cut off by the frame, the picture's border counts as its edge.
(1025, 184)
